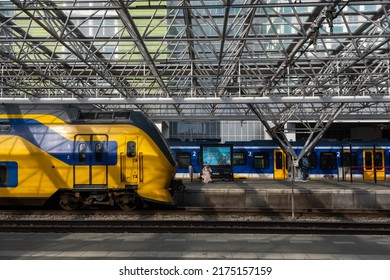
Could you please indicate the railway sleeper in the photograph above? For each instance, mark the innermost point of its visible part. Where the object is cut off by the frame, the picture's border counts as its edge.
(72, 200)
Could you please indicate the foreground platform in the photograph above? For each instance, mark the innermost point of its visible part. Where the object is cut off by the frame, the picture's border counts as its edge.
(279, 195)
(190, 246)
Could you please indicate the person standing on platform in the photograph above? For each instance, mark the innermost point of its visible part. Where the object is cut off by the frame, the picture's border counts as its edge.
(305, 168)
(191, 172)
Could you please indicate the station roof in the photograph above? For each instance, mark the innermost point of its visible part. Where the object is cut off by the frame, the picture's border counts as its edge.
(276, 61)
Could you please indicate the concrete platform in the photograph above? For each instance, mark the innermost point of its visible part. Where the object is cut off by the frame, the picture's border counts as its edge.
(191, 246)
(277, 195)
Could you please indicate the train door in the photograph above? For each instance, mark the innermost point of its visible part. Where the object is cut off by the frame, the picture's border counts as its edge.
(130, 161)
(280, 166)
(373, 163)
(90, 160)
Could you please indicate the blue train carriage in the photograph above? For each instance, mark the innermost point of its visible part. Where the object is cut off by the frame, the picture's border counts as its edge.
(259, 159)
(325, 160)
(263, 159)
(82, 159)
(356, 160)
(187, 156)
(250, 160)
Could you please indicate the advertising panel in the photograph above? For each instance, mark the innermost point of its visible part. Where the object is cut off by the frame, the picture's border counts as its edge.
(219, 157)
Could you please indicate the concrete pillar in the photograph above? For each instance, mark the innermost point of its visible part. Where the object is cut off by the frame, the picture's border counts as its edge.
(290, 131)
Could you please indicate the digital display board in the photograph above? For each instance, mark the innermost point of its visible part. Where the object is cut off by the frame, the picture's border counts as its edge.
(217, 155)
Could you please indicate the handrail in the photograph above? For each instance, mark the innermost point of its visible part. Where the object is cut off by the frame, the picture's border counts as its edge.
(122, 166)
(141, 167)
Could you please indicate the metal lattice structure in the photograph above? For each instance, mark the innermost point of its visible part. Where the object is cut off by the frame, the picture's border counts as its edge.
(271, 60)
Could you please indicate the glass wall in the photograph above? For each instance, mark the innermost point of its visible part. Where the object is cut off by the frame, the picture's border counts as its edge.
(217, 130)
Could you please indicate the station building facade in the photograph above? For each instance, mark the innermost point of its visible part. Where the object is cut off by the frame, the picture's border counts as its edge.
(253, 130)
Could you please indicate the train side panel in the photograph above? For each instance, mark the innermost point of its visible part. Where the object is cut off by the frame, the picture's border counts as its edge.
(328, 160)
(253, 162)
(250, 161)
(38, 173)
(156, 172)
(41, 155)
(185, 156)
(336, 161)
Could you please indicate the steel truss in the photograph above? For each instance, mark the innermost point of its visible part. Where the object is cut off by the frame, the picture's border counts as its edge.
(277, 61)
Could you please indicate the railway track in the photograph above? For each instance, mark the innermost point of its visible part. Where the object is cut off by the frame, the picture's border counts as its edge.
(198, 226)
(189, 211)
(195, 220)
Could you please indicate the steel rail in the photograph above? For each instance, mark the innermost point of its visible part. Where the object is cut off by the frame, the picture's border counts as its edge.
(198, 226)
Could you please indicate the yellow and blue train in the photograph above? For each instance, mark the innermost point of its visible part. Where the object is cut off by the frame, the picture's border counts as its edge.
(82, 158)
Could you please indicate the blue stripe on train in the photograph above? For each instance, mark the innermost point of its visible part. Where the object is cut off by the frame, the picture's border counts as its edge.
(52, 142)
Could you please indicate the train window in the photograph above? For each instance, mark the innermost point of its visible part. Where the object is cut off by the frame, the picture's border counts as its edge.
(312, 161)
(183, 159)
(5, 127)
(261, 160)
(278, 160)
(346, 158)
(82, 152)
(378, 160)
(328, 161)
(3, 174)
(104, 115)
(87, 116)
(239, 158)
(99, 152)
(368, 160)
(131, 149)
(121, 115)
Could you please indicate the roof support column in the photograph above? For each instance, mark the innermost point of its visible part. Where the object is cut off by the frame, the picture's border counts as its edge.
(276, 133)
(312, 142)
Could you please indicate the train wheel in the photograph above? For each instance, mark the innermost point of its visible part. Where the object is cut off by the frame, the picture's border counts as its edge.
(69, 202)
(128, 202)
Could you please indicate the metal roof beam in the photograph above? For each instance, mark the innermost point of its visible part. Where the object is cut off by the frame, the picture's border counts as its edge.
(201, 100)
(313, 139)
(276, 134)
(223, 38)
(132, 29)
(316, 19)
(54, 18)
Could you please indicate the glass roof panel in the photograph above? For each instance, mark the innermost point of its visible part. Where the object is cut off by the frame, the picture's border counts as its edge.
(193, 49)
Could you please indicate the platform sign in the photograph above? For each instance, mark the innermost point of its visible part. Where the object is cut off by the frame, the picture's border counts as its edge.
(219, 157)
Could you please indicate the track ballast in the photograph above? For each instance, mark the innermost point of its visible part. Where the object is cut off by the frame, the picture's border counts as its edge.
(185, 222)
